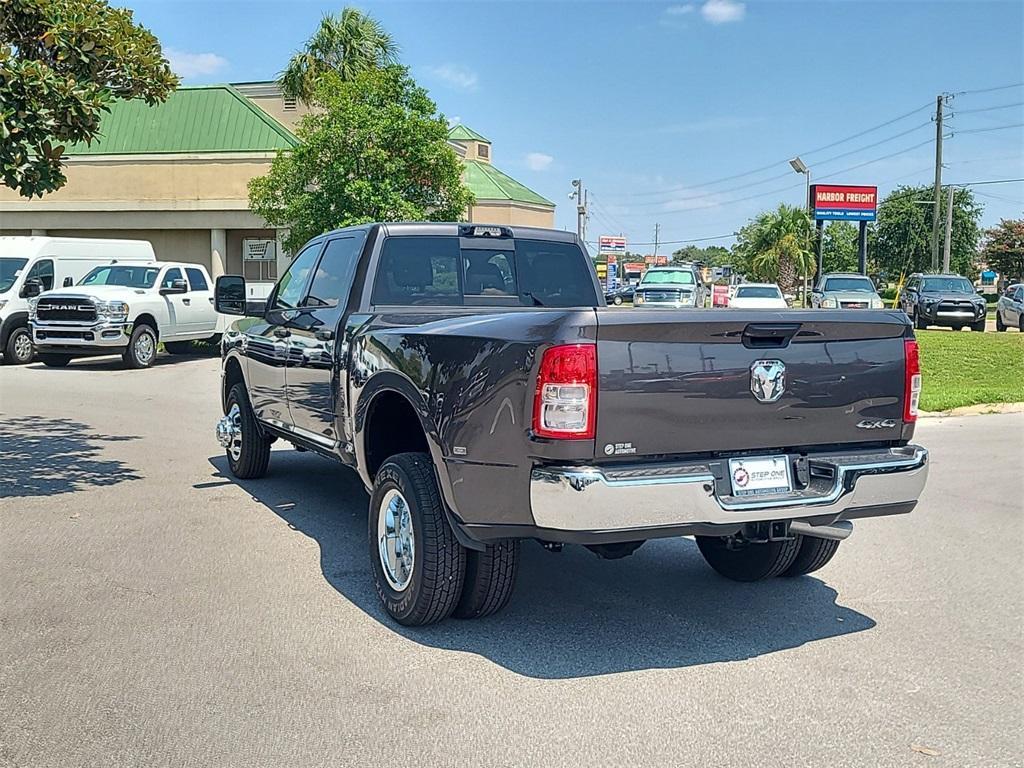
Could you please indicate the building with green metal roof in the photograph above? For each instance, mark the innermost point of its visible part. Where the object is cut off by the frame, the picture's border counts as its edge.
(177, 174)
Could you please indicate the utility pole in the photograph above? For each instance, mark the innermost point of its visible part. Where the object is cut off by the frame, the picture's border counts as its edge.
(939, 104)
(579, 194)
(949, 231)
(657, 231)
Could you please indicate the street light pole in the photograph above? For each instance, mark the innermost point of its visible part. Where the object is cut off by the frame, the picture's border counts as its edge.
(800, 166)
(949, 231)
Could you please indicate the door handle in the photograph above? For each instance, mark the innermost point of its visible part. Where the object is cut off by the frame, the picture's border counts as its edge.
(282, 333)
(186, 302)
(324, 334)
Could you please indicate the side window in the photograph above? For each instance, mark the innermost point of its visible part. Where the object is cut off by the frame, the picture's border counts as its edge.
(418, 270)
(196, 279)
(170, 276)
(44, 271)
(332, 281)
(292, 286)
(1019, 296)
(488, 273)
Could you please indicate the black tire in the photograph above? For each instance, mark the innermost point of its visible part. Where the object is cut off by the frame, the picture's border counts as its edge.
(979, 326)
(617, 301)
(133, 356)
(178, 347)
(918, 322)
(19, 350)
(814, 553)
(55, 361)
(433, 585)
(490, 579)
(251, 459)
(1020, 323)
(1000, 325)
(752, 562)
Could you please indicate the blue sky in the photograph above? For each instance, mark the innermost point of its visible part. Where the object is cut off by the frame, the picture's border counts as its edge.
(652, 104)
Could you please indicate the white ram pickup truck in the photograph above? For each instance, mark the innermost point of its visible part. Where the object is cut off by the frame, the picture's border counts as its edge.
(126, 308)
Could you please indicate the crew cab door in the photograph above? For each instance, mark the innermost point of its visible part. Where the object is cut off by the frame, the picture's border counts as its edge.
(202, 317)
(313, 371)
(266, 341)
(176, 304)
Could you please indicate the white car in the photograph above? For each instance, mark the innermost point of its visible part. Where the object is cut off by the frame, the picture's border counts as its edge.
(758, 296)
(126, 308)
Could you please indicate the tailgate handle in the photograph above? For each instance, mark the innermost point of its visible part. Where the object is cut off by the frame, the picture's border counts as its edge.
(769, 335)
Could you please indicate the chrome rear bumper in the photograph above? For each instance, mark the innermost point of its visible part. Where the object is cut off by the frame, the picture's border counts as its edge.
(658, 495)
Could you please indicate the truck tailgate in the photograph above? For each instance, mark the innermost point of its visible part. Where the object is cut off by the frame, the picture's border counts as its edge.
(674, 382)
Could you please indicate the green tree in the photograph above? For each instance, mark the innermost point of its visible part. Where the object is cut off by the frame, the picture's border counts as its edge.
(1003, 249)
(374, 149)
(712, 255)
(778, 246)
(347, 44)
(839, 247)
(901, 237)
(62, 62)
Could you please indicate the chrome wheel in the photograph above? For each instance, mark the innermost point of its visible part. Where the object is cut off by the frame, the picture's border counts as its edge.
(233, 433)
(23, 347)
(145, 348)
(395, 543)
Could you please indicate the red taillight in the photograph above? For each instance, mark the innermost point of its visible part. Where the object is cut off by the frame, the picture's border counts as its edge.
(911, 380)
(565, 404)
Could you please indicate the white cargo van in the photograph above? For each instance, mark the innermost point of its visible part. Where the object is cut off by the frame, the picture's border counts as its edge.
(30, 265)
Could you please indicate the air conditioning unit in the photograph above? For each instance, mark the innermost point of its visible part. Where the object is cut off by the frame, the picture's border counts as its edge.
(258, 249)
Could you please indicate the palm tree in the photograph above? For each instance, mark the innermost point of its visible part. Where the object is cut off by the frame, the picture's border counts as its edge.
(347, 44)
(779, 245)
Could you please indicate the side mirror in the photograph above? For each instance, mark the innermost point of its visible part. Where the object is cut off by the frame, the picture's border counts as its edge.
(32, 288)
(229, 295)
(176, 286)
(68, 282)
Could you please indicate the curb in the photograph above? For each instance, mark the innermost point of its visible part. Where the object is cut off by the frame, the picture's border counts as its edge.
(983, 409)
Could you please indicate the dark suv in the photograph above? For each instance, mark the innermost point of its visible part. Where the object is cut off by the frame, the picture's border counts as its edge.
(944, 300)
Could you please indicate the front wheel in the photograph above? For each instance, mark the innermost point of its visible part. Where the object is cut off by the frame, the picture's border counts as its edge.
(19, 349)
(617, 301)
(248, 450)
(919, 322)
(1000, 325)
(979, 326)
(55, 361)
(418, 564)
(141, 352)
(745, 561)
(814, 553)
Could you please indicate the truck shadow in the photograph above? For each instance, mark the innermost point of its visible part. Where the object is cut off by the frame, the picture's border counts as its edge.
(42, 456)
(572, 615)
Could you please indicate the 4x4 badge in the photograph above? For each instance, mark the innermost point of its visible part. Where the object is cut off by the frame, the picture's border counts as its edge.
(767, 380)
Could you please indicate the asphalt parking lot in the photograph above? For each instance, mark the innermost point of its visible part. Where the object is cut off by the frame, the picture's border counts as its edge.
(157, 613)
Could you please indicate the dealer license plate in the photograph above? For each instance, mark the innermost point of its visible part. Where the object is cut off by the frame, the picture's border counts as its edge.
(760, 476)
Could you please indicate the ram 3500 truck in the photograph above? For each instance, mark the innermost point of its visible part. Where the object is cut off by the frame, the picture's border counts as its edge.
(126, 308)
(474, 379)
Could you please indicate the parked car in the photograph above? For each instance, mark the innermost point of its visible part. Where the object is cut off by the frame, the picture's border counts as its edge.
(476, 421)
(672, 287)
(1010, 309)
(29, 265)
(126, 308)
(945, 300)
(843, 290)
(619, 295)
(758, 296)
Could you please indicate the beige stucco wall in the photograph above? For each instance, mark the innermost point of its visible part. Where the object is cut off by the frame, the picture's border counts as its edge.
(192, 179)
(191, 245)
(511, 213)
(274, 106)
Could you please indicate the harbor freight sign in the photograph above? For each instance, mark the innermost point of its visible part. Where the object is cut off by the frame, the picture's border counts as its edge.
(836, 202)
(610, 244)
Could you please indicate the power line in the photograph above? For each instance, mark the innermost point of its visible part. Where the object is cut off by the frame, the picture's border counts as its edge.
(683, 242)
(987, 109)
(986, 130)
(991, 90)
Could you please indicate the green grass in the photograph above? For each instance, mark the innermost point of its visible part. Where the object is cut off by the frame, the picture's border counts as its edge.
(970, 368)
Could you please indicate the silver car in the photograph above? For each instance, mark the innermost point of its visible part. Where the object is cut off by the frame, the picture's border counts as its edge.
(843, 290)
(1010, 309)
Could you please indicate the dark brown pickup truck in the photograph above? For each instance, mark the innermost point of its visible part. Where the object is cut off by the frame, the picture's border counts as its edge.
(474, 379)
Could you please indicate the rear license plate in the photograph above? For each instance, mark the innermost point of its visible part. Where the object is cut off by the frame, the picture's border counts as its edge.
(760, 476)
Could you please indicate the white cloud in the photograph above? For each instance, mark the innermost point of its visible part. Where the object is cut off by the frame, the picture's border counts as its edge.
(538, 161)
(723, 11)
(680, 10)
(186, 65)
(455, 76)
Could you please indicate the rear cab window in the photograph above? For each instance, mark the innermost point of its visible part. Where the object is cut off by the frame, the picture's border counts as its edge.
(196, 279)
(445, 271)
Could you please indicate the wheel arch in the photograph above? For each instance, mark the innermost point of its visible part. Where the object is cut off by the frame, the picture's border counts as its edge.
(147, 318)
(12, 321)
